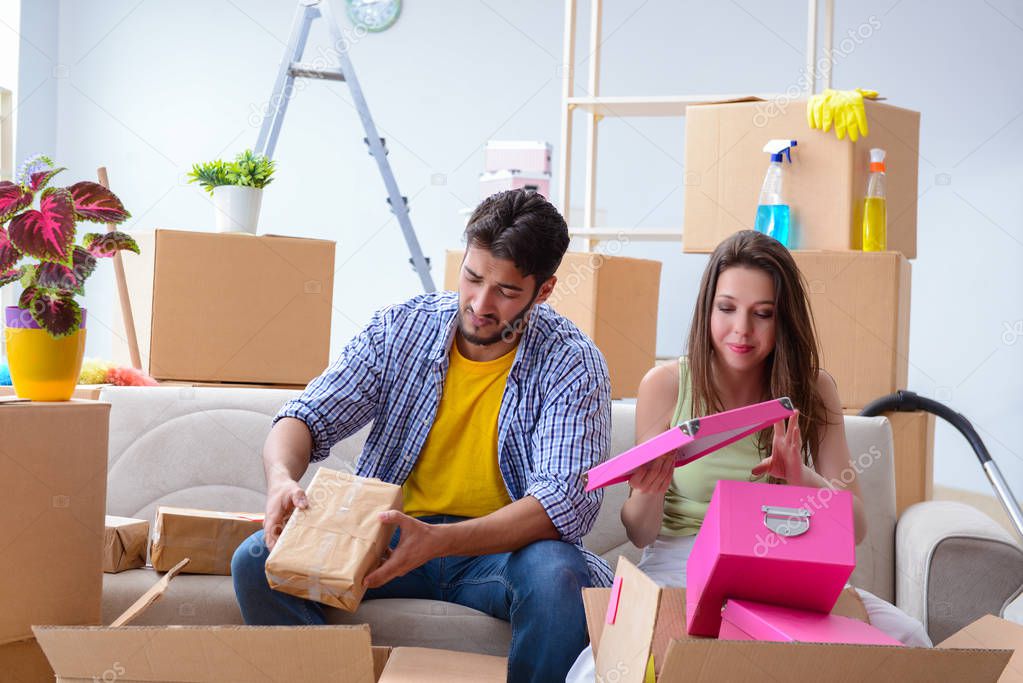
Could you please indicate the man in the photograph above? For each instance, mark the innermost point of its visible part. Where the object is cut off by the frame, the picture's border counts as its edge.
(487, 407)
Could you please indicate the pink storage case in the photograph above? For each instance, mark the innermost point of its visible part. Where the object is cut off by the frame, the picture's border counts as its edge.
(499, 181)
(745, 620)
(785, 545)
(693, 439)
(528, 156)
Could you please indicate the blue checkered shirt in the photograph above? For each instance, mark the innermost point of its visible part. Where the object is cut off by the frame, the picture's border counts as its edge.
(554, 422)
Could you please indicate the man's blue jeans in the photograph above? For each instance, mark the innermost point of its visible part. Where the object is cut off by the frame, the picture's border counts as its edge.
(537, 588)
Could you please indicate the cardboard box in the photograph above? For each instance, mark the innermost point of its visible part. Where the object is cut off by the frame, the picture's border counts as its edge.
(24, 662)
(913, 439)
(326, 550)
(89, 392)
(745, 620)
(991, 632)
(860, 303)
(424, 665)
(206, 537)
(229, 307)
(53, 465)
(531, 156)
(755, 529)
(824, 185)
(650, 620)
(124, 544)
(613, 300)
(206, 654)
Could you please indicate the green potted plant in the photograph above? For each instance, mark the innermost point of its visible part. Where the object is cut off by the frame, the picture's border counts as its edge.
(45, 332)
(236, 187)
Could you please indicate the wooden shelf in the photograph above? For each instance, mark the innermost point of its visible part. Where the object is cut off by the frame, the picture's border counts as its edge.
(670, 105)
(632, 234)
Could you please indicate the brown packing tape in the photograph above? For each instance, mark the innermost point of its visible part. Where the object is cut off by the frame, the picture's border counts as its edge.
(422, 665)
(325, 551)
(208, 538)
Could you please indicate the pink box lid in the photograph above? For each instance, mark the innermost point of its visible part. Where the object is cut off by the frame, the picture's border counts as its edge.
(774, 623)
(693, 439)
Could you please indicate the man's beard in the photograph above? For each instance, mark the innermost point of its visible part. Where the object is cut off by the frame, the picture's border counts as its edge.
(507, 333)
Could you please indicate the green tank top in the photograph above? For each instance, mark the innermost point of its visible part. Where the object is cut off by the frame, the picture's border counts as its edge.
(687, 498)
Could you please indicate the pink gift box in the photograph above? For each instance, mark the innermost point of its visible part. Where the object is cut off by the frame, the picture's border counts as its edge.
(693, 439)
(528, 156)
(499, 181)
(785, 545)
(745, 620)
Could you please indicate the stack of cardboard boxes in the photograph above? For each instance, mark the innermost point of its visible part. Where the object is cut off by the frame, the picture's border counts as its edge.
(860, 300)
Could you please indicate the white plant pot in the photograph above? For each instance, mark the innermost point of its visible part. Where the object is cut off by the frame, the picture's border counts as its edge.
(237, 208)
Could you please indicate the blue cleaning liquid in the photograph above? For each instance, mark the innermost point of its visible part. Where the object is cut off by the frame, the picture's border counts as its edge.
(773, 221)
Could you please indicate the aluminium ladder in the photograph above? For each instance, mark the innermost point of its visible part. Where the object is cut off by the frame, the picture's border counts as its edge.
(292, 67)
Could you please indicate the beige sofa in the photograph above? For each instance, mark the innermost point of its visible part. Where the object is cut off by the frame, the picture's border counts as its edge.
(200, 447)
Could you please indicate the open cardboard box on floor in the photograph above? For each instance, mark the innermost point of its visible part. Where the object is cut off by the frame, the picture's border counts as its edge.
(242, 654)
(651, 620)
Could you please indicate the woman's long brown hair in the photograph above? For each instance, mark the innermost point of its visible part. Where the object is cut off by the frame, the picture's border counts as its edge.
(793, 367)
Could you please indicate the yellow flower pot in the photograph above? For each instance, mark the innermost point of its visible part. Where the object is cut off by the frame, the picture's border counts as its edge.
(42, 368)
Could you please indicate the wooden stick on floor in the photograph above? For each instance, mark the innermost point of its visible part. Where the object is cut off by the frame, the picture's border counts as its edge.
(122, 288)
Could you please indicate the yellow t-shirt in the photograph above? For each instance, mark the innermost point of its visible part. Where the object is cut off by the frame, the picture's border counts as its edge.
(457, 471)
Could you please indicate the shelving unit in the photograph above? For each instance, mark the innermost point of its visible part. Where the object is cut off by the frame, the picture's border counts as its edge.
(597, 107)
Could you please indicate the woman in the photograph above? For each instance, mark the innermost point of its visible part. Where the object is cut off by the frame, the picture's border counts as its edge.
(751, 339)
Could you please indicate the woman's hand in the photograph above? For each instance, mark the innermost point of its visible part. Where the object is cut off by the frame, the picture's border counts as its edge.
(655, 476)
(786, 459)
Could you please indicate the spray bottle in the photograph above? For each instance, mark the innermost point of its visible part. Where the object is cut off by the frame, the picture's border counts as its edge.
(773, 212)
(875, 219)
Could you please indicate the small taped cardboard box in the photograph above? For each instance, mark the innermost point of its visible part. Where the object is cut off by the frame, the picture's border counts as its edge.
(229, 307)
(824, 185)
(124, 544)
(650, 621)
(326, 550)
(208, 538)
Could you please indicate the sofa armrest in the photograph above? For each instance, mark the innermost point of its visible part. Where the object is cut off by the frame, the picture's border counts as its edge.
(953, 564)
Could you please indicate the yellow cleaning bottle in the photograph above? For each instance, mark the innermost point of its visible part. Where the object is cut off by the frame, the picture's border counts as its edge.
(875, 218)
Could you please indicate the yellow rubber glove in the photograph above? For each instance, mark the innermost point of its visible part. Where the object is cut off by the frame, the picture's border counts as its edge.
(843, 108)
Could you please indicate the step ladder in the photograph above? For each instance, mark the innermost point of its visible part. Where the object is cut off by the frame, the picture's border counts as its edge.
(292, 68)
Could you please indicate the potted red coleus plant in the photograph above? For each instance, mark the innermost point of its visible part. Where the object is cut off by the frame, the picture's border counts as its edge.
(45, 332)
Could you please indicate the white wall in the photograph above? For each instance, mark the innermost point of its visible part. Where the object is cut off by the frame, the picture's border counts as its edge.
(152, 87)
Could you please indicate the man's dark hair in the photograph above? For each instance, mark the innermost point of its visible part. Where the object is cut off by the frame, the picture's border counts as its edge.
(522, 227)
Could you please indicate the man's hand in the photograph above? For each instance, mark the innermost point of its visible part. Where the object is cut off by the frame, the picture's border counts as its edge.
(418, 544)
(281, 501)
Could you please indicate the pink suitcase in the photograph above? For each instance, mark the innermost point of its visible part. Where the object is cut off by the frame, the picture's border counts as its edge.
(528, 156)
(499, 181)
(692, 439)
(785, 545)
(745, 620)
